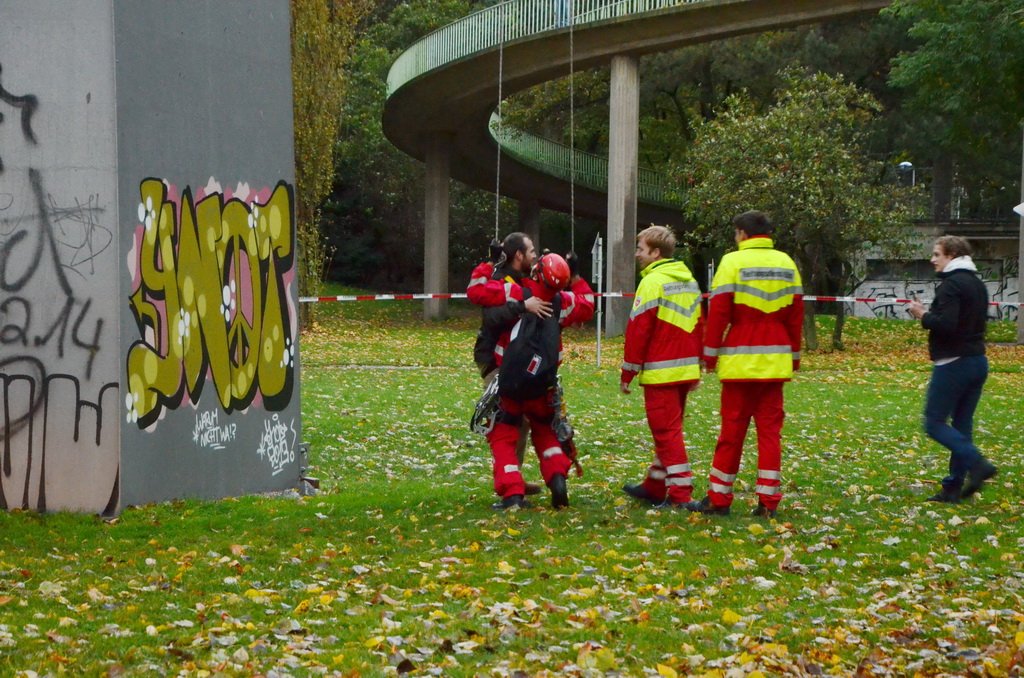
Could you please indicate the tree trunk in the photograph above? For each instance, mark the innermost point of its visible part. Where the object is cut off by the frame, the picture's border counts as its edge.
(808, 271)
(310, 260)
(810, 329)
(837, 331)
(942, 188)
(841, 287)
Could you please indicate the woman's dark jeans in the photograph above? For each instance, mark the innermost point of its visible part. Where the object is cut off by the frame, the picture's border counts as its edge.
(954, 392)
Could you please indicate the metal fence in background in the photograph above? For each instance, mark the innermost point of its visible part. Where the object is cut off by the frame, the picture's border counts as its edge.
(506, 22)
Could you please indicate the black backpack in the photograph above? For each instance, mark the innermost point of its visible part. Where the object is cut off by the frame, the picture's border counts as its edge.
(529, 366)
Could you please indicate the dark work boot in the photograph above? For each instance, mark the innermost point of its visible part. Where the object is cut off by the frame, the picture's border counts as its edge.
(976, 477)
(559, 492)
(638, 491)
(707, 508)
(762, 511)
(949, 494)
(532, 488)
(514, 501)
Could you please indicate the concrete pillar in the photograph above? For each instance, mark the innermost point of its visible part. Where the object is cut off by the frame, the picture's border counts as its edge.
(435, 226)
(623, 143)
(124, 379)
(529, 220)
(1020, 252)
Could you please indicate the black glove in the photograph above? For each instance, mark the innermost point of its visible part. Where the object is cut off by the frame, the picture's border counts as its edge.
(494, 252)
(574, 264)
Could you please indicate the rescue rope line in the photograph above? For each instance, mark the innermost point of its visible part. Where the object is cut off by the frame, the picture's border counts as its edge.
(572, 126)
(501, 76)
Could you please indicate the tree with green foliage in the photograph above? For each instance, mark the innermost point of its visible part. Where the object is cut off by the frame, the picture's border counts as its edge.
(323, 32)
(802, 162)
(375, 212)
(964, 82)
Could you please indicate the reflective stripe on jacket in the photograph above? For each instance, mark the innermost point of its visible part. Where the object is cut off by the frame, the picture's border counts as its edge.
(663, 335)
(755, 315)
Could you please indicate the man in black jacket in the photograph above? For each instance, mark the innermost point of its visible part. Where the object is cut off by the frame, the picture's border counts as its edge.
(956, 345)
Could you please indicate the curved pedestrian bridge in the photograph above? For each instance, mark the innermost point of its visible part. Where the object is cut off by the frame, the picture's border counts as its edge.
(443, 90)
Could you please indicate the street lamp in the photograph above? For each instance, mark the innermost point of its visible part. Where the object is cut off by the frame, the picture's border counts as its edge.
(905, 168)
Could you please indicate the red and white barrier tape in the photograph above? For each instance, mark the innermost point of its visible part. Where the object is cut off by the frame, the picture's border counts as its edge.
(610, 295)
(379, 297)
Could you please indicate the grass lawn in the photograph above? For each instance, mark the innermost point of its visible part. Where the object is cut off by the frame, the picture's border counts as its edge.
(400, 566)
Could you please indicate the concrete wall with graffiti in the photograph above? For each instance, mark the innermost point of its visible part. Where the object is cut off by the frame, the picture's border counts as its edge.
(147, 264)
(59, 306)
(999, 289)
(210, 398)
(998, 265)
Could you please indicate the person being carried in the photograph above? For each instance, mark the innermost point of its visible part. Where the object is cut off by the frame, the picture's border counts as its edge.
(569, 306)
(490, 287)
(956, 345)
(662, 346)
(752, 337)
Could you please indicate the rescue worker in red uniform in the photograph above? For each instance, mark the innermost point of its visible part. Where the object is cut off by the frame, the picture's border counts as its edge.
(576, 306)
(752, 336)
(663, 347)
(513, 260)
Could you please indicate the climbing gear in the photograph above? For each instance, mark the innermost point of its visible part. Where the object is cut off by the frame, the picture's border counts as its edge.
(564, 431)
(487, 409)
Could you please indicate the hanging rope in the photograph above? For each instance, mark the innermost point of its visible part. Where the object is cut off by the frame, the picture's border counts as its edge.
(572, 126)
(501, 75)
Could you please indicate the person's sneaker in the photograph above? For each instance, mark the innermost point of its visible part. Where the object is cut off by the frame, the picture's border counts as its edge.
(531, 489)
(707, 508)
(514, 501)
(559, 492)
(641, 493)
(762, 511)
(947, 495)
(977, 476)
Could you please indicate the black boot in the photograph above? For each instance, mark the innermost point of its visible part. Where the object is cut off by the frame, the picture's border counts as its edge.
(559, 492)
(976, 477)
(638, 491)
(532, 488)
(949, 494)
(514, 501)
(707, 508)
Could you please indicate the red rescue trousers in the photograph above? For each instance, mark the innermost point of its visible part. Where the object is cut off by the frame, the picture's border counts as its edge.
(741, 402)
(508, 480)
(669, 476)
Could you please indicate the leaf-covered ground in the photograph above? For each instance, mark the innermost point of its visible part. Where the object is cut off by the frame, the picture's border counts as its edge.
(400, 566)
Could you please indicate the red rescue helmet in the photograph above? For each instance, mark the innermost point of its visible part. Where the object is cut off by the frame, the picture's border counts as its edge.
(552, 270)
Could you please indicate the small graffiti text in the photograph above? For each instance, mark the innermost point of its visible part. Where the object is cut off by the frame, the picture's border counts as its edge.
(209, 433)
(275, 446)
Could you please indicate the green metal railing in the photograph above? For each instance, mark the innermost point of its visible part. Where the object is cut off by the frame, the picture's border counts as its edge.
(507, 22)
(512, 20)
(588, 170)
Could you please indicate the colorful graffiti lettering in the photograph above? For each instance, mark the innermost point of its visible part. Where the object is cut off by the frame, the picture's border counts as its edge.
(210, 300)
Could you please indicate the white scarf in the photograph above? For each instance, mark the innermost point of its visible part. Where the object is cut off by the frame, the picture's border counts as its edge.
(959, 263)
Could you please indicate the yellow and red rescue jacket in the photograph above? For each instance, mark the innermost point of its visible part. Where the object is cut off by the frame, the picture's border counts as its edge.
(755, 315)
(663, 335)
